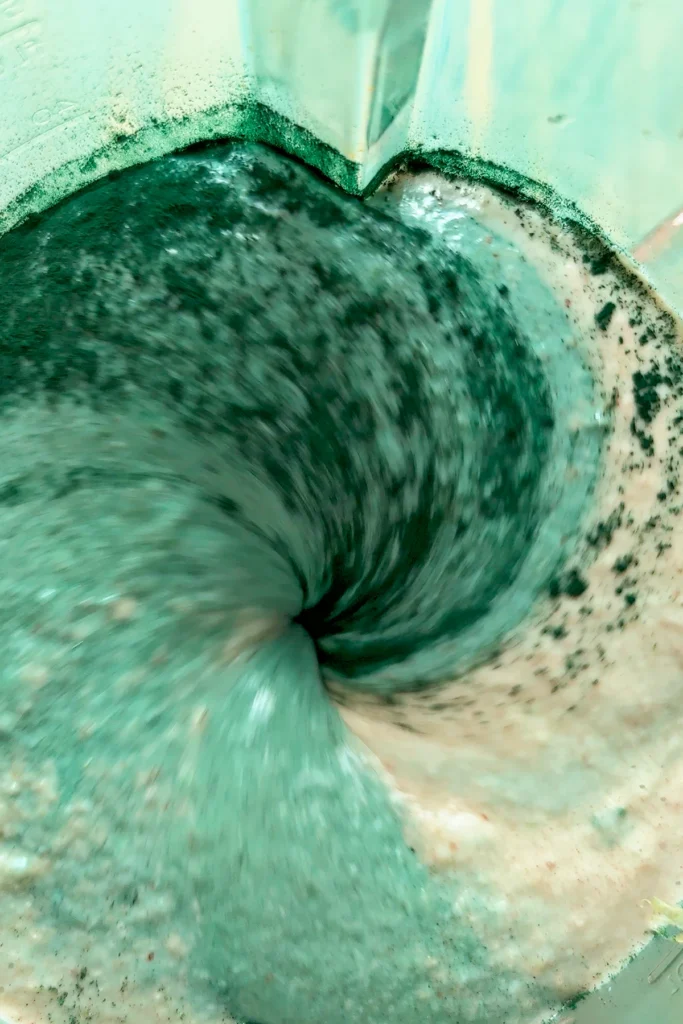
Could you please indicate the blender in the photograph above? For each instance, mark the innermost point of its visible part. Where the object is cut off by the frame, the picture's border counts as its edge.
(575, 103)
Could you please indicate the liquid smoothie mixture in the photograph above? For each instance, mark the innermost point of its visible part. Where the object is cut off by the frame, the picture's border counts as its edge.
(342, 602)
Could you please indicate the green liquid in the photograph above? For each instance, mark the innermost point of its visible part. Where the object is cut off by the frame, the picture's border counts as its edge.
(231, 393)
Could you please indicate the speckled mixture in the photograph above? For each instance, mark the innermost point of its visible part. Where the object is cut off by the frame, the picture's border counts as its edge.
(254, 431)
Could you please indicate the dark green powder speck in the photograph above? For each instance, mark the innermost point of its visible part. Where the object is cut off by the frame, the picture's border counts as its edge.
(604, 317)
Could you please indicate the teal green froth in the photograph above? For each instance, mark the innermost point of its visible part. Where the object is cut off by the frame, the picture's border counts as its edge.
(255, 435)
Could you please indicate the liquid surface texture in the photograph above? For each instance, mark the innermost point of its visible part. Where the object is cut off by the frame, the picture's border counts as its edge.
(323, 523)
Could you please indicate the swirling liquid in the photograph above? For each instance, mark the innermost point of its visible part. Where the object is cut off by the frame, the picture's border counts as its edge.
(260, 440)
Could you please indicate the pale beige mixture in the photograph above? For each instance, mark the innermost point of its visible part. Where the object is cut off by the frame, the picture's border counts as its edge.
(569, 797)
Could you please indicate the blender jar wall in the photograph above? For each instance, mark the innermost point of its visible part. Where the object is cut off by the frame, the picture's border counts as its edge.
(583, 96)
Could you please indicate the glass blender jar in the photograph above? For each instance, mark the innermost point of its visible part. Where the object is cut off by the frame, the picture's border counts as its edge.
(541, 97)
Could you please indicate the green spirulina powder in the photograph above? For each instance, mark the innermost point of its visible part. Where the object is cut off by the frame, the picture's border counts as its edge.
(256, 433)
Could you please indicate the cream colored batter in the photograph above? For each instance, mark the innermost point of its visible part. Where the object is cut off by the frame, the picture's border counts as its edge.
(558, 770)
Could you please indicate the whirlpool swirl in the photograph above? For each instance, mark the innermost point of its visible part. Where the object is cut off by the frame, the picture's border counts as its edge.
(257, 435)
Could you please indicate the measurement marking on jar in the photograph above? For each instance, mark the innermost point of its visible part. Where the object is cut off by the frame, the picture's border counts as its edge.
(40, 135)
(13, 9)
(19, 29)
(48, 115)
(20, 45)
